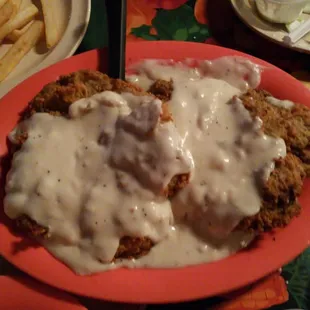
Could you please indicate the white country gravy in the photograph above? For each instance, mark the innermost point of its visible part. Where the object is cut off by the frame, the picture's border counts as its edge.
(100, 174)
(284, 104)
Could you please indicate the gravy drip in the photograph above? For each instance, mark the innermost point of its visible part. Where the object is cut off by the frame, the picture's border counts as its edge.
(284, 104)
(100, 175)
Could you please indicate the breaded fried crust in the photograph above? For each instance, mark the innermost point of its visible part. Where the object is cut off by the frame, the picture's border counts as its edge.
(280, 194)
(131, 247)
(292, 125)
(31, 228)
(162, 89)
(58, 96)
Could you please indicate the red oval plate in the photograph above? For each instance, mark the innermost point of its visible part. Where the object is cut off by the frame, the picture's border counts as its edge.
(25, 293)
(157, 285)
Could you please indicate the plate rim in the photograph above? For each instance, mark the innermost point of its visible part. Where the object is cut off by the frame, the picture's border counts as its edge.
(58, 53)
(106, 285)
(31, 291)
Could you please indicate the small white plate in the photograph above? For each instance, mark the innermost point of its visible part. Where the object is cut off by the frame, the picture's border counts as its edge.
(247, 11)
(73, 16)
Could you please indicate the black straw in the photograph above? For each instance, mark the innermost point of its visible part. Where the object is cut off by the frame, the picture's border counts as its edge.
(117, 13)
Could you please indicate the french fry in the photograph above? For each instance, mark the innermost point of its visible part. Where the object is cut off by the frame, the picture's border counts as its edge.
(2, 2)
(6, 12)
(24, 4)
(19, 49)
(16, 4)
(52, 28)
(17, 33)
(21, 19)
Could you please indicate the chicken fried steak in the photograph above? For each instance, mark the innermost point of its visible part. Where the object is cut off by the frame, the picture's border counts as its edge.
(280, 192)
(55, 98)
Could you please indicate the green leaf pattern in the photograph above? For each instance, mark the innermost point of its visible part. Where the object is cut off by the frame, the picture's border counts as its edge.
(179, 24)
(297, 274)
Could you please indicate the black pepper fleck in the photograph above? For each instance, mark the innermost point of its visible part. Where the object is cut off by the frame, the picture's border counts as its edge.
(58, 180)
(48, 171)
